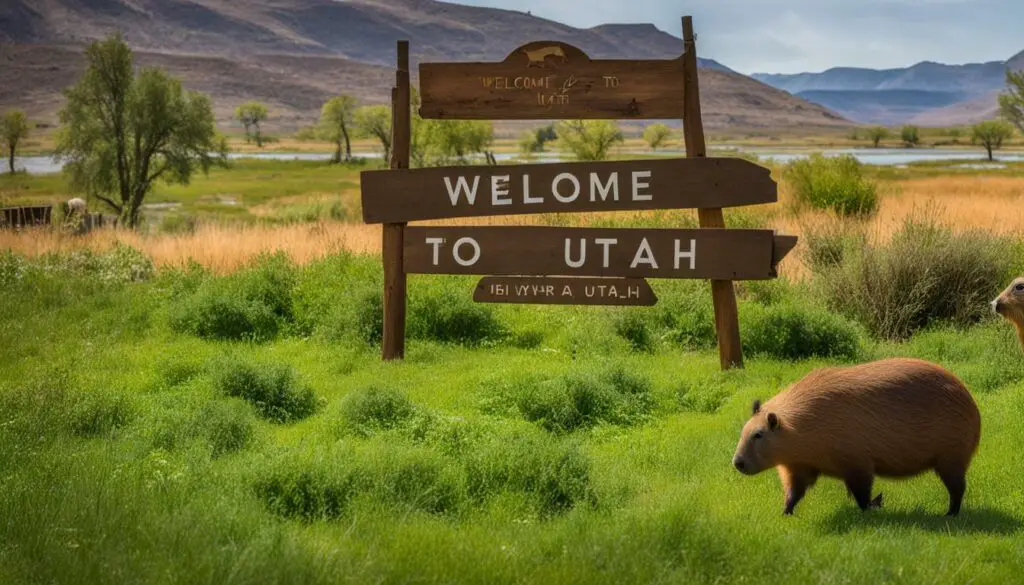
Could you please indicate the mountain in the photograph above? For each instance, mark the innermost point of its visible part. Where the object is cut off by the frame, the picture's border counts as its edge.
(294, 54)
(895, 96)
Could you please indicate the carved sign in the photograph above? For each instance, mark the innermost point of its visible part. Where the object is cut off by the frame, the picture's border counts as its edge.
(564, 291)
(723, 254)
(392, 196)
(548, 80)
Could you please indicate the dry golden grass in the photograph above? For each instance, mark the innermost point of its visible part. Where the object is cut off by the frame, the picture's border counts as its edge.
(219, 248)
(993, 203)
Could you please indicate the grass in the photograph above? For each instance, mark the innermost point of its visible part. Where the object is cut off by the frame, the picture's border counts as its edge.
(132, 452)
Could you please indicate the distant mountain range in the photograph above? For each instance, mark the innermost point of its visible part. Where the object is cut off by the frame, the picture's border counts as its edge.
(929, 94)
(294, 54)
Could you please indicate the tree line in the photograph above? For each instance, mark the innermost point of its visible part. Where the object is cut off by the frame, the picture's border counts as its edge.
(122, 130)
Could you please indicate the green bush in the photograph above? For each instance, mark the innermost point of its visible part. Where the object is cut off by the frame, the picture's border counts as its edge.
(827, 246)
(555, 475)
(273, 389)
(308, 489)
(685, 311)
(632, 325)
(833, 183)
(99, 414)
(793, 332)
(375, 408)
(446, 313)
(584, 398)
(252, 304)
(927, 274)
(227, 425)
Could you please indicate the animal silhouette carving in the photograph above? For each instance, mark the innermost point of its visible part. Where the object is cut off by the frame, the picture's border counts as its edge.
(537, 57)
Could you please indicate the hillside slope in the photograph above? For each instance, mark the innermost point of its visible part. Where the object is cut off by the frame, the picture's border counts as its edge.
(294, 54)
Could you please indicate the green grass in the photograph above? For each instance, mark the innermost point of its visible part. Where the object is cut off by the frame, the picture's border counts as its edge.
(572, 458)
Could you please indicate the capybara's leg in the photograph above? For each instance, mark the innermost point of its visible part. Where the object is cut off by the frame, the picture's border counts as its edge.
(953, 478)
(859, 483)
(795, 482)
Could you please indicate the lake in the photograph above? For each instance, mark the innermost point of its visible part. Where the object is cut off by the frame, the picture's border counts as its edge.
(39, 165)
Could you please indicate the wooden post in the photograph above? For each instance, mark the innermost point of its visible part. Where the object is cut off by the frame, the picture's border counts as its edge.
(393, 343)
(727, 323)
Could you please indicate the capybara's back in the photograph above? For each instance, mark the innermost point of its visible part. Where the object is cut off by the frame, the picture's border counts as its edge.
(899, 416)
(890, 418)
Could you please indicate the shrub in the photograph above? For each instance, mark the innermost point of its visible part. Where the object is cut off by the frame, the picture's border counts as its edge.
(214, 312)
(583, 398)
(832, 183)
(555, 475)
(98, 414)
(273, 389)
(308, 490)
(418, 479)
(632, 325)
(251, 304)
(828, 245)
(227, 425)
(927, 274)
(793, 332)
(449, 315)
(375, 408)
(686, 311)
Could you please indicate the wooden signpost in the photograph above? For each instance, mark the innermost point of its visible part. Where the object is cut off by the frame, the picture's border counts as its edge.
(552, 265)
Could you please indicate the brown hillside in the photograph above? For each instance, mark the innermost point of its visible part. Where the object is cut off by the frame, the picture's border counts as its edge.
(294, 54)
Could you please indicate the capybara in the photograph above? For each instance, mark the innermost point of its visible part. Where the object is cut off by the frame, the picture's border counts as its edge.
(1010, 304)
(893, 418)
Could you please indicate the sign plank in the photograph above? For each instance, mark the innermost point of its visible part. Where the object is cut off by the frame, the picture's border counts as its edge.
(405, 195)
(550, 80)
(547, 290)
(722, 254)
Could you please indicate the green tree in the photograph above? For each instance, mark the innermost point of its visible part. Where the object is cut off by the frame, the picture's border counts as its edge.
(14, 128)
(122, 131)
(877, 134)
(375, 122)
(589, 139)
(910, 135)
(336, 120)
(251, 115)
(991, 134)
(453, 141)
(1011, 103)
(656, 136)
(534, 140)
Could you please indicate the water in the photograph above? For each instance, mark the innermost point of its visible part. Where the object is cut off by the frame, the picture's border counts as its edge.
(41, 165)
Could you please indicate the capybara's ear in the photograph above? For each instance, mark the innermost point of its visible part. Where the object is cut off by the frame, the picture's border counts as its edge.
(773, 421)
(757, 406)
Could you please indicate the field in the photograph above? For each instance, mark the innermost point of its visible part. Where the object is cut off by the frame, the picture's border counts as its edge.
(205, 402)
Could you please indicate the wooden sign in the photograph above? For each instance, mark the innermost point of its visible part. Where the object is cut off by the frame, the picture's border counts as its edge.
(404, 195)
(724, 254)
(550, 80)
(564, 291)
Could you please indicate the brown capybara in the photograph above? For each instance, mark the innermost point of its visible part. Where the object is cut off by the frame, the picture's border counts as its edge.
(893, 418)
(1010, 304)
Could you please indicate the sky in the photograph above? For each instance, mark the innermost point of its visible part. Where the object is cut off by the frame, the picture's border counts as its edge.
(793, 36)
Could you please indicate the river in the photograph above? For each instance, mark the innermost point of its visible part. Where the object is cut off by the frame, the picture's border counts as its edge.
(41, 165)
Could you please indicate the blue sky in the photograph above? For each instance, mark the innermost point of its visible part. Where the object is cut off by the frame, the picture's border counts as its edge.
(791, 36)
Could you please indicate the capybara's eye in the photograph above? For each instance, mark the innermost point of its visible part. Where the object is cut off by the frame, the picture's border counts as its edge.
(757, 435)
(1019, 287)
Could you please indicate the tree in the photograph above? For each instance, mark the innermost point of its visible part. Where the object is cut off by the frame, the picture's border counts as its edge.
(121, 131)
(877, 134)
(656, 135)
(14, 128)
(251, 114)
(336, 118)
(375, 122)
(452, 141)
(910, 136)
(1011, 103)
(589, 139)
(534, 140)
(991, 134)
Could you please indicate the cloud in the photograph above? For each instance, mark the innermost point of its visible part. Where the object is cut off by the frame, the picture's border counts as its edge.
(787, 36)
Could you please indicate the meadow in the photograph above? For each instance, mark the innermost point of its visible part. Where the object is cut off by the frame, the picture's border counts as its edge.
(207, 404)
